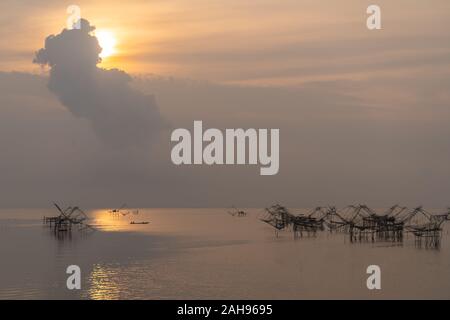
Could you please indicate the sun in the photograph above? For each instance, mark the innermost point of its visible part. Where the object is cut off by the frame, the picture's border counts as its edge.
(107, 42)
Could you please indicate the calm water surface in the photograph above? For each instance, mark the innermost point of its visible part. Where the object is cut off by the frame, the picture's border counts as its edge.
(206, 254)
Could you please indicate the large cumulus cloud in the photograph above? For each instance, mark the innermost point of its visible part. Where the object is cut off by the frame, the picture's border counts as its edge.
(120, 116)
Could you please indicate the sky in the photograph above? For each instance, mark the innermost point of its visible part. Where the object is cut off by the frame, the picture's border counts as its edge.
(256, 41)
(363, 115)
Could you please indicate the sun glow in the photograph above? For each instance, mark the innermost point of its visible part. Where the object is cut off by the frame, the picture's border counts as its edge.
(107, 42)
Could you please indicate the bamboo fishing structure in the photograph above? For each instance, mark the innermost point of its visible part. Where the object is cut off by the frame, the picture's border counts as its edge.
(235, 212)
(361, 223)
(67, 218)
(122, 211)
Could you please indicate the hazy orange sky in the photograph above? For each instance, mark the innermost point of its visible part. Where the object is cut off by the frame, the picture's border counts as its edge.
(260, 41)
(363, 115)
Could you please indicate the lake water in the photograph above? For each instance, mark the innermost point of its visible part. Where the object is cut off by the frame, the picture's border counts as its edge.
(206, 254)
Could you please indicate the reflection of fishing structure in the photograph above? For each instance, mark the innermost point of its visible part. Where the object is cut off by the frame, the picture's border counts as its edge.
(67, 218)
(237, 213)
(361, 223)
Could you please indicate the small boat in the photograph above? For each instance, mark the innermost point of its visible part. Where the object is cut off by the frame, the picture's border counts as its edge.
(143, 222)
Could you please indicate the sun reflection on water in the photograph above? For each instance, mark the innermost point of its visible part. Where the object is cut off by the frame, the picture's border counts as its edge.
(103, 284)
(105, 221)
